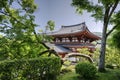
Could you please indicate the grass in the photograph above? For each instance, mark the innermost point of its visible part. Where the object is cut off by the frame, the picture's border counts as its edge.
(110, 74)
(69, 76)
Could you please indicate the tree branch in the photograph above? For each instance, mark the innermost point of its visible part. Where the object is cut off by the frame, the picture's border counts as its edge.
(44, 52)
(111, 31)
(51, 51)
(38, 37)
(111, 12)
(113, 8)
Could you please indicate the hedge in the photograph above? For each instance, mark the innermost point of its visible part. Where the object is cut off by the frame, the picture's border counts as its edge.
(46, 68)
(86, 70)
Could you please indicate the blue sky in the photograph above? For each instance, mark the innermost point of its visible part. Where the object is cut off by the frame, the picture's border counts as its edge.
(62, 13)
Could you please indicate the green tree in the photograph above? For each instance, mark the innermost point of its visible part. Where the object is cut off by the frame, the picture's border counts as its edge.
(18, 28)
(48, 28)
(103, 10)
(50, 25)
(17, 25)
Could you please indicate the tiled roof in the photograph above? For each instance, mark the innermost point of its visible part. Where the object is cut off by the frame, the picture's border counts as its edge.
(80, 30)
(70, 29)
(64, 48)
(58, 48)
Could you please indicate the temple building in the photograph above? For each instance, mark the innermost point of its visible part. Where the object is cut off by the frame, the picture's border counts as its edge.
(70, 38)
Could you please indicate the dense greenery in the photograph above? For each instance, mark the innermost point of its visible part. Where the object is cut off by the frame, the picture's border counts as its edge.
(46, 68)
(86, 70)
(112, 57)
(16, 49)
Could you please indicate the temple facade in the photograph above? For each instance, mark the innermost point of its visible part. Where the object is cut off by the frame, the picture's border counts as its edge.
(70, 38)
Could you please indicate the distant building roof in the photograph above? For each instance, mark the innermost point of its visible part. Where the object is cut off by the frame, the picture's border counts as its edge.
(70, 29)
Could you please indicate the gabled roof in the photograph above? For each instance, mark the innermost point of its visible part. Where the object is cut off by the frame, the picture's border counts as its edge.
(70, 29)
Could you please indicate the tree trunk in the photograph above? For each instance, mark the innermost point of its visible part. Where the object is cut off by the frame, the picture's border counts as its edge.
(101, 66)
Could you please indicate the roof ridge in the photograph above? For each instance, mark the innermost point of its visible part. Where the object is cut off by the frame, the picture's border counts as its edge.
(83, 23)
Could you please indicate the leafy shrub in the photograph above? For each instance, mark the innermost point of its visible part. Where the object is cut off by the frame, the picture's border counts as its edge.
(86, 70)
(46, 68)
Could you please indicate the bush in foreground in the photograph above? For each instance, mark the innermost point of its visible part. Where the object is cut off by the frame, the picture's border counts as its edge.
(86, 70)
(43, 68)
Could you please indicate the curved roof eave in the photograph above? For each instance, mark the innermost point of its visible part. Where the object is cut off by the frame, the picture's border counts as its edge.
(74, 30)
